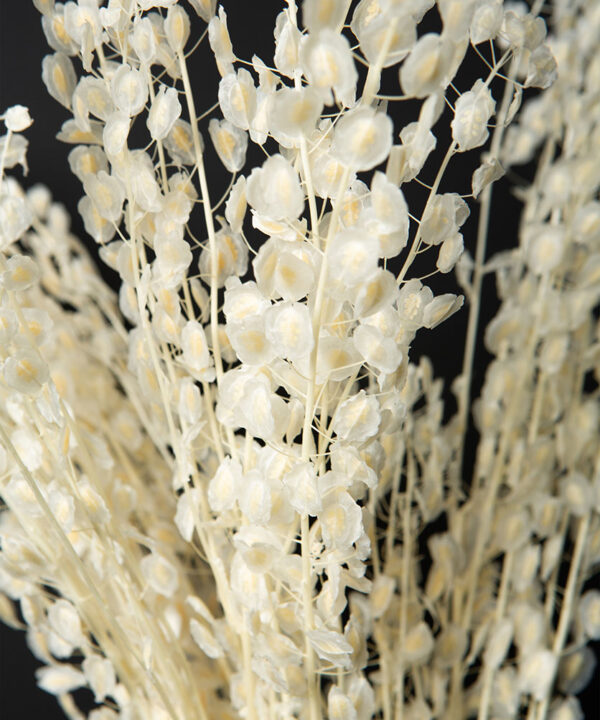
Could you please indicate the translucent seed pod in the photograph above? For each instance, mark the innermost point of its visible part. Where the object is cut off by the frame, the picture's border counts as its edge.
(25, 372)
(205, 8)
(328, 64)
(143, 40)
(86, 160)
(230, 143)
(59, 77)
(129, 90)
(425, 70)
(164, 112)
(362, 139)
(177, 28)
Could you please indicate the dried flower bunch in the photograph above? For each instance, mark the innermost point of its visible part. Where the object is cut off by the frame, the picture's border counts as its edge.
(227, 492)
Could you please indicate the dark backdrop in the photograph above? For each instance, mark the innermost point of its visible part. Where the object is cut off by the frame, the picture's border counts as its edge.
(22, 47)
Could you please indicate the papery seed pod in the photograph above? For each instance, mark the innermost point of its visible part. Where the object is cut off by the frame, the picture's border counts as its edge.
(59, 77)
(177, 28)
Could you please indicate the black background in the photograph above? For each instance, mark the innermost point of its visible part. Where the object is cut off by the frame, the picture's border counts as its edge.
(22, 47)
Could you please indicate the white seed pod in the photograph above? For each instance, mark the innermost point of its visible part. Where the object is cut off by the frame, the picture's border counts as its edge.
(255, 499)
(567, 709)
(381, 594)
(274, 190)
(545, 246)
(589, 613)
(425, 70)
(301, 484)
(107, 194)
(142, 181)
(450, 251)
(287, 43)
(21, 273)
(576, 669)
(63, 508)
(237, 98)
(129, 90)
(362, 139)
(357, 418)
(205, 640)
(442, 218)
(59, 77)
(224, 487)
(230, 143)
(352, 256)
(205, 8)
(525, 567)
(189, 405)
(586, 226)
(320, 14)
(188, 509)
(39, 200)
(264, 414)
(25, 372)
(380, 352)
(100, 674)
(441, 308)
(235, 207)
(28, 448)
(472, 112)
(243, 301)
(327, 62)
(95, 225)
(379, 290)
(86, 160)
(196, 354)
(17, 118)
(8, 325)
(530, 624)
(160, 574)
(577, 493)
(487, 21)
(59, 679)
(536, 673)
(339, 705)
(389, 205)
(505, 693)
(143, 40)
(337, 359)
(450, 646)
(115, 133)
(220, 42)
(15, 219)
(288, 327)
(177, 28)
(498, 643)
(93, 505)
(37, 324)
(341, 520)
(232, 257)
(14, 151)
(64, 620)
(180, 143)
(293, 113)
(165, 110)
(418, 645)
(250, 342)
(486, 174)
(173, 258)
(375, 23)
(456, 17)
(91, 96)
(331, 646)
